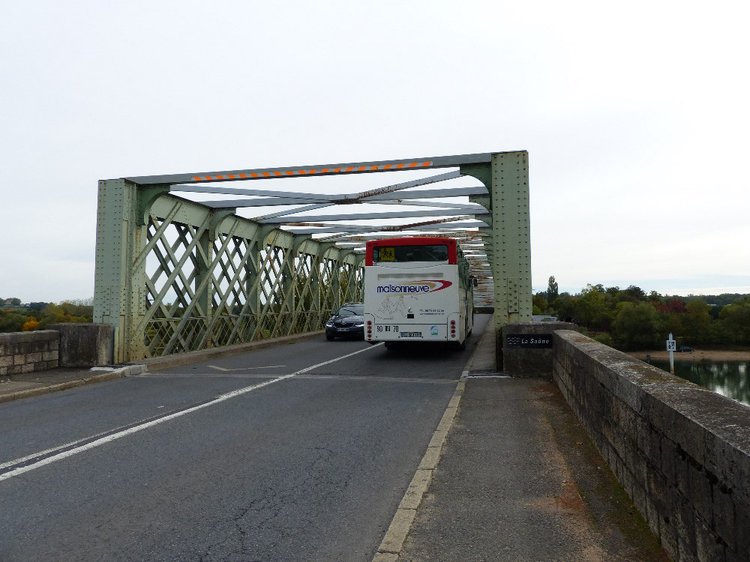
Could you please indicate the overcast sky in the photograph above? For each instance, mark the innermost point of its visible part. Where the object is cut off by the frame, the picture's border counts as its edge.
(635, 115)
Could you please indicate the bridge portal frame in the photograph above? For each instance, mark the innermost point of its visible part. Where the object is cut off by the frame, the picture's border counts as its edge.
(174, 275)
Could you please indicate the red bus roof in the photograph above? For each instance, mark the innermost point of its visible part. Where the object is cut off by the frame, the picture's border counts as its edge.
(412, 241)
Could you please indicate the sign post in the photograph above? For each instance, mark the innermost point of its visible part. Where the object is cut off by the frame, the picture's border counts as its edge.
(671, 348)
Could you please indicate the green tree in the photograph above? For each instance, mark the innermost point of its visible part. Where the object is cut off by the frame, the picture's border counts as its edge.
(552, 289)
(591, 309)
(696, 323)
(735, 322)
(565, 307)
(539, 303)
(635, 326)
(66, 312)
(11, 320)
(634, 293)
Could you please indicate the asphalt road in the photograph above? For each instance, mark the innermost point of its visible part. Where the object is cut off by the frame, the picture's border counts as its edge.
(297, 452)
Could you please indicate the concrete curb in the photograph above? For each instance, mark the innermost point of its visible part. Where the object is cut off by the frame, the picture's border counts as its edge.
(118, 373)
(393, 542)
(395, 537)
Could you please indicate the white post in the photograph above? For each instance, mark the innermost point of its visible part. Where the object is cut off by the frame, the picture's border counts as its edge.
(671, 347)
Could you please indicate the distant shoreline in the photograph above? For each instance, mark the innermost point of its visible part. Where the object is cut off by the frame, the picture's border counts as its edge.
(697, 355)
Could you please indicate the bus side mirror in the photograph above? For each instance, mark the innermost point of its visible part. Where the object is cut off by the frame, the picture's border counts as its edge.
(474, 282)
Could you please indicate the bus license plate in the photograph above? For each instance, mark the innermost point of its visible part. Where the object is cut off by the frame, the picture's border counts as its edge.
(411, 334)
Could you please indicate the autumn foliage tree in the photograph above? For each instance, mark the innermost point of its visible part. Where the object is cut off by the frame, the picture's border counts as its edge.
(630, 319)
(15, 317)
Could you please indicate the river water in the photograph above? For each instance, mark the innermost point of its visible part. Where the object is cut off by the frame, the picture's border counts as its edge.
(730, 378)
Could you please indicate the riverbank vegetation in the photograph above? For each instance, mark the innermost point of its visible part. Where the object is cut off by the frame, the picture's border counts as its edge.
(629, 319)
(17, 317)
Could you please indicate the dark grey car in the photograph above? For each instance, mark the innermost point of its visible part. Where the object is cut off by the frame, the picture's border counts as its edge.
(347, 322)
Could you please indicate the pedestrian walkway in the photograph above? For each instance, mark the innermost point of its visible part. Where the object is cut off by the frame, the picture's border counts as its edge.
(25, 385)
(518, 479)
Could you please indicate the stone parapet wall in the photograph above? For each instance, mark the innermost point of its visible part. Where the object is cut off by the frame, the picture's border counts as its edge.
(85, 345)
(24, 352)
(681, 452)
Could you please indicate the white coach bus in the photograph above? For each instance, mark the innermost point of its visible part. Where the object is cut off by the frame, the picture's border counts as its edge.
(417, 290)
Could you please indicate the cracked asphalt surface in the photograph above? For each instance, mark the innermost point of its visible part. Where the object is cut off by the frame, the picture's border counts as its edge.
(311, 467)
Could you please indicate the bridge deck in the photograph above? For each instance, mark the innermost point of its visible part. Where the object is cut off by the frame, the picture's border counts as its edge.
(518, 479)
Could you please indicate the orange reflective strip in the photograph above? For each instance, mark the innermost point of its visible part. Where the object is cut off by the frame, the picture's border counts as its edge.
(313, 171)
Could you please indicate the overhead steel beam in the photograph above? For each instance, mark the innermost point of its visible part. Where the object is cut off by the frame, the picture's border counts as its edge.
(259, 202)
(315, 170)
(430, 194)
(320, 228)
(365, 195)
(289, 198)
(383, 215)
(220, 189)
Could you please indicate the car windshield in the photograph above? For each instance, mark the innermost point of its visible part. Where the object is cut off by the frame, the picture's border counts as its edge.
(351, 310)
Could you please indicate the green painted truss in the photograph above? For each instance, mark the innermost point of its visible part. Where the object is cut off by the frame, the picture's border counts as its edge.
(175, 275)
(202, 278)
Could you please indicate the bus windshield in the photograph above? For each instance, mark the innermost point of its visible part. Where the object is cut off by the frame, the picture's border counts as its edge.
(436, 252)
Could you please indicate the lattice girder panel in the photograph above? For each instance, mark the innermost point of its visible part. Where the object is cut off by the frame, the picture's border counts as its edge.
(202, 278)
(329, 293)
(178, 254)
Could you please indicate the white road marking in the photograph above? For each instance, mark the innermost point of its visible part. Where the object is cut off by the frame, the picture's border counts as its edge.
(135, 429)
(224, 369)
(40, 453)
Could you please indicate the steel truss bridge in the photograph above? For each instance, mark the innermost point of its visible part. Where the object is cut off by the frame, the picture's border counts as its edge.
(193, 261)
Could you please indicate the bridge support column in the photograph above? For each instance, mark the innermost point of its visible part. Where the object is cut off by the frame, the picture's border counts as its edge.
(510, 242)
(120, 288)
(507, 241)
